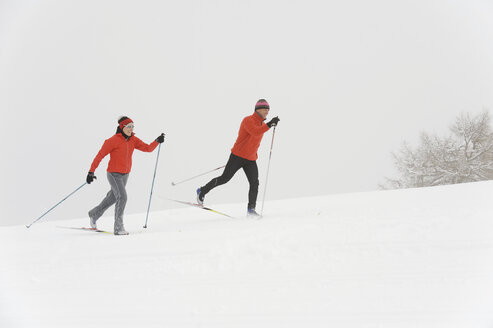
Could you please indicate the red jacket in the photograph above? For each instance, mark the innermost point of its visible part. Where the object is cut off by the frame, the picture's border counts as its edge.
(252, 130)
(121, 150)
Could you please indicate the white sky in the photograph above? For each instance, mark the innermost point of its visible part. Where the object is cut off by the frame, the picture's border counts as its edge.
(350, 81)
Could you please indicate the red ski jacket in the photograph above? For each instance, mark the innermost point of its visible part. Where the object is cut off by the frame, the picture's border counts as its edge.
(252, 130)
(121, 150)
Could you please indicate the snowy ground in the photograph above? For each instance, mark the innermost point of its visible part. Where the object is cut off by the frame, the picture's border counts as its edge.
(410, 258)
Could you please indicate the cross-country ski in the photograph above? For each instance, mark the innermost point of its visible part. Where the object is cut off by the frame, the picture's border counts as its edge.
(86, 229)
(201, 207)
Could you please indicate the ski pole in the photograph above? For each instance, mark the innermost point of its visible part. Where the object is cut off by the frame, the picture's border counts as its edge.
(73, 192)
(268, 167)
(177, 183)
(152, 187)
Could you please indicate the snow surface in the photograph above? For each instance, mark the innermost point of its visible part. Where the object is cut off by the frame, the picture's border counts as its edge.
(409, 258)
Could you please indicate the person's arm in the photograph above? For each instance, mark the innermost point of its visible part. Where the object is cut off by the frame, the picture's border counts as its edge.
(142, 146)
(105, 150)
(253, 129)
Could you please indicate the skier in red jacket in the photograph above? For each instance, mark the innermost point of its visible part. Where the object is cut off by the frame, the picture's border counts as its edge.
(120, 147)
(244, 155)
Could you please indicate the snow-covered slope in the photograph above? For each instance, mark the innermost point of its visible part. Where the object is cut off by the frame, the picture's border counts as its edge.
(408, 258)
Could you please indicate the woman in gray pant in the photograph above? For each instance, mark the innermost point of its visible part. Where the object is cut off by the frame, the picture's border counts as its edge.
(120, 147)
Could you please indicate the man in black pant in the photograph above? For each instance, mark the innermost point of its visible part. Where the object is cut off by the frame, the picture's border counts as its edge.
(244, 155)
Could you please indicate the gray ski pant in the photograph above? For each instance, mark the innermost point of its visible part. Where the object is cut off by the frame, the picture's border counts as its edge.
(117, 195)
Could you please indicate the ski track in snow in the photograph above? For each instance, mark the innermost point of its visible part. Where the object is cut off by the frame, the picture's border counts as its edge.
(407, 258)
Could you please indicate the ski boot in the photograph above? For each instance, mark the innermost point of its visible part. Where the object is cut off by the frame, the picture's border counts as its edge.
(92, 222)
(200, 198)
(253, 214)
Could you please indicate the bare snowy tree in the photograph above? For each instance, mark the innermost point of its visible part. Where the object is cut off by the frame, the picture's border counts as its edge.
(464, 156)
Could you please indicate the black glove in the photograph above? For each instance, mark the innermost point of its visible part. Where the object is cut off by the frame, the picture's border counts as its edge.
(90, 177)
(160, 139)
(273, 122)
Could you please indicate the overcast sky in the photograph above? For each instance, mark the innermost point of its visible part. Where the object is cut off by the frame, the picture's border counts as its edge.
(350, 80)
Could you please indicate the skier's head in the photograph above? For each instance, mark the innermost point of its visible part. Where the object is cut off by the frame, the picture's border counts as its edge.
(126, 125)
(262, 108)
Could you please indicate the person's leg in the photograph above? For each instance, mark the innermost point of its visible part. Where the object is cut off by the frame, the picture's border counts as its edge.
(233, 165)
(251, 171)
(99, 210)
(118, 182)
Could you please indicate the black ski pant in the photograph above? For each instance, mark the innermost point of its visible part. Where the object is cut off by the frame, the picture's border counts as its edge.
(234, 164)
